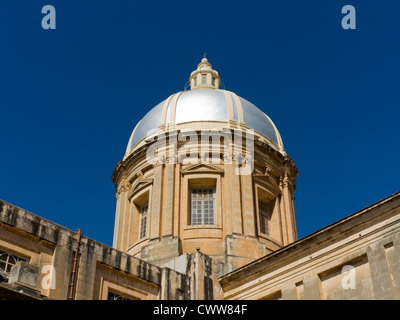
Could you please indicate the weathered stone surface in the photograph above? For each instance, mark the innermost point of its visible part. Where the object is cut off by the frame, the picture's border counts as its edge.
(24, 273)
(354, 258)
(367, 242)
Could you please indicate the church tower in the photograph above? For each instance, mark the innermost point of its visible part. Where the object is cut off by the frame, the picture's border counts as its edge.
(205, 170)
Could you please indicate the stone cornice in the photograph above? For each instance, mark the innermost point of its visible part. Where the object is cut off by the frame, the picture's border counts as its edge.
(126, 163)
(277, 158)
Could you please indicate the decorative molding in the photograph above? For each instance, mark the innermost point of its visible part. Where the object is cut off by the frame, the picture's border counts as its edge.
(268, 181)
(124, 186)
(202, 168)
(286, 181)
(238, 156)
(139, 185)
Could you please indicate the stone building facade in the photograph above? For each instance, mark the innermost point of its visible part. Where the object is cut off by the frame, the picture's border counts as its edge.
(355, 258)
(205, 210)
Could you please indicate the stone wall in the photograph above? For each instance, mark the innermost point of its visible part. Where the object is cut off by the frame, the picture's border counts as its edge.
(358, 257)
(48, 249)
(355, 258)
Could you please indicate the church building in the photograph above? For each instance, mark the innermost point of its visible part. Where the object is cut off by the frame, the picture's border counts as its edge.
(205, 210)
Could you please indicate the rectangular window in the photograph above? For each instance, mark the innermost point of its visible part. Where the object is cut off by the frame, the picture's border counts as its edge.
(264, 215)
(204, 79)
(202, 206)
(143, 220)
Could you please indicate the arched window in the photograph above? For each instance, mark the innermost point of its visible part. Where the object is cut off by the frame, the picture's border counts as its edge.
(7, 261)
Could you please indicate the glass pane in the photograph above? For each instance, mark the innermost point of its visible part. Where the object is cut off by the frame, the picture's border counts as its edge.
(143, 225)
(144, 209)
(263, 210)
(202, 206)
(12, 260)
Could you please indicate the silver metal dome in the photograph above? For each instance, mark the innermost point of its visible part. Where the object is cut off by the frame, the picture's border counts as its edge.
(205, 105)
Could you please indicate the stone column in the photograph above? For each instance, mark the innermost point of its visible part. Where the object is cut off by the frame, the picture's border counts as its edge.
(117, 219)
(122, 216)
(248, 205)
(177, 195)
(126, 209)
(311, 288)
(380, 272)
(155, 214)
(288, 222)
(234, 193)
(168, 212)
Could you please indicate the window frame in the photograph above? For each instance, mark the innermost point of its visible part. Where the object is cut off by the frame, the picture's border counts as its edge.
(7, 264)
(202, 200)
(143, 217)
(131, 293)
(271, 199)
(195, 175)
(137, 201)
(264, 217)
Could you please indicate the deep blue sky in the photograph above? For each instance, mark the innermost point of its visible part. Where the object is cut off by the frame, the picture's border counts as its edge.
(70, 97)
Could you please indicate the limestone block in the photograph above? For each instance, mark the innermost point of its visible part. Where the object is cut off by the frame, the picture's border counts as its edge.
(24, 273)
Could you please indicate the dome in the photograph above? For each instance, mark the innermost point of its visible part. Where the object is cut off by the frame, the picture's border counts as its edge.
(205, 106)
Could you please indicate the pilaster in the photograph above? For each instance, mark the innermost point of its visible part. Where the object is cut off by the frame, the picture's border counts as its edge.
(155, 214)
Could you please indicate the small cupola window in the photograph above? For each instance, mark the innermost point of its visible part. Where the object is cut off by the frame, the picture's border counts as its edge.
(204, 77)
